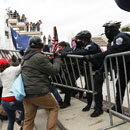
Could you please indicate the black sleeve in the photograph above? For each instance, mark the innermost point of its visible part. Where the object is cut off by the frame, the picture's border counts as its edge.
(86, 51)
(79, 52)
(101, 56)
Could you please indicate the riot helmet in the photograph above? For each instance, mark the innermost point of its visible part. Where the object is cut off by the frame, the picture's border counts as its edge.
(82, 38)
(35, 42)
(112, 29)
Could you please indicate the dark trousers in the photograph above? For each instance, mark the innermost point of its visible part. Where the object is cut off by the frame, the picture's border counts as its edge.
(121, 88)
(68, 91)
(10, 108)
(1, 88)
(55, 93)
(98, 83)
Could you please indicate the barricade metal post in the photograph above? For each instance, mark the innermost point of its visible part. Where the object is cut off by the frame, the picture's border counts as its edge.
(121, 64)
(74, 61)
(92, 81)
(108, 89)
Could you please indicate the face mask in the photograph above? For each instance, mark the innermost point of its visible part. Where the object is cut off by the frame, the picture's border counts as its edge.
(79, 44)
(109, 34)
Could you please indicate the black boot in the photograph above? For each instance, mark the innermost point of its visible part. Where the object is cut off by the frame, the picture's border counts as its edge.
(80, 94)
(65, 105)
(3, 117)
(60, 103)
(86, 108)
(97, 113)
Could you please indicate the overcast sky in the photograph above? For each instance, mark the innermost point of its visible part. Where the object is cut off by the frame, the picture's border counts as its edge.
(70, 16)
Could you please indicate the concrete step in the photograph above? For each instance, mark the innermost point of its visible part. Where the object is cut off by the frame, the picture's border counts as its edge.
(40, 122)
(72, 118)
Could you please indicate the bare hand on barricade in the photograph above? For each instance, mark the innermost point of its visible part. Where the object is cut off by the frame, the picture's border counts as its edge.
(51, 57)
(57, 53)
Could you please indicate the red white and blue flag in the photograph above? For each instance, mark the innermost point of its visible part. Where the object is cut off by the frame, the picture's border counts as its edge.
(54, 41)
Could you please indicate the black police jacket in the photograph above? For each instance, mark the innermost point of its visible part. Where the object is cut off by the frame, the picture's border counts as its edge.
(90, 49)
(121, 43)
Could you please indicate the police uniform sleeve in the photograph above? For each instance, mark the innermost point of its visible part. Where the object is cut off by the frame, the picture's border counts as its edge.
(89, 49)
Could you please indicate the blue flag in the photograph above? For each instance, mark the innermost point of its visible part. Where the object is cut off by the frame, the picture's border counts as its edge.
(20, 41)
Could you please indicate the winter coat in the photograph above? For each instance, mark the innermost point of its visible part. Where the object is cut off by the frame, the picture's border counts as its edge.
(36, 69)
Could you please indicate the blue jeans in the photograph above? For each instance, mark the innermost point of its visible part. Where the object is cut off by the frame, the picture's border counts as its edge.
(55, 93)
(10, 107)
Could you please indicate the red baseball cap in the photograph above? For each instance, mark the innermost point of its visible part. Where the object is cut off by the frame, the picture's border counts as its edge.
(3, 62)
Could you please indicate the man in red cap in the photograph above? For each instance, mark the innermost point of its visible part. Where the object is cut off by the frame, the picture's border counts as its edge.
(3, 63)
(9, 103)
(2, 113)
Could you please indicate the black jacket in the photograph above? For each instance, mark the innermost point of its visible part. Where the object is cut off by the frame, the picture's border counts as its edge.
(121, 43)
(89, 49)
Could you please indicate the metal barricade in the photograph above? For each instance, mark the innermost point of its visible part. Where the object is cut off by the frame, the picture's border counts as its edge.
(75, 74)
(7, 54)
(118, 67)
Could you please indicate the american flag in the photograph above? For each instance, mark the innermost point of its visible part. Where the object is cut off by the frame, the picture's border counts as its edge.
(54, 41)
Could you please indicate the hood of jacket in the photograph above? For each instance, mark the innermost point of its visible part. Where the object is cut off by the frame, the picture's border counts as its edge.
(30, 52)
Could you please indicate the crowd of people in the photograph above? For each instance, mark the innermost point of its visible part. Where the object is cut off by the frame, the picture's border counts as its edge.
(30, 26)
(36, 69)
(16, 15)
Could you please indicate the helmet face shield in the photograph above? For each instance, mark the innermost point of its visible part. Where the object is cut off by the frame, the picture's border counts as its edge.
(108, 33)
(111, 29)
(79, 43)
(82, 37)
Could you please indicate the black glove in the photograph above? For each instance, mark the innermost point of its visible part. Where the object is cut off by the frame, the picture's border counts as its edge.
(88, 58)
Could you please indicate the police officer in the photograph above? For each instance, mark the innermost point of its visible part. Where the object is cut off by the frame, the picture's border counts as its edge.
(119, 42)
(87, 47)
(84, 46)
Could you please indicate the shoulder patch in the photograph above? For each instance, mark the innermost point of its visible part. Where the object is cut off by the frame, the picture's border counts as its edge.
(119, 41)
(87, 47)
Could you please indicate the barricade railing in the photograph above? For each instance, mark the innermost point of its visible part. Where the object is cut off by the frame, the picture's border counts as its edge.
(117, 68)
(75, 73)
(7, 54)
